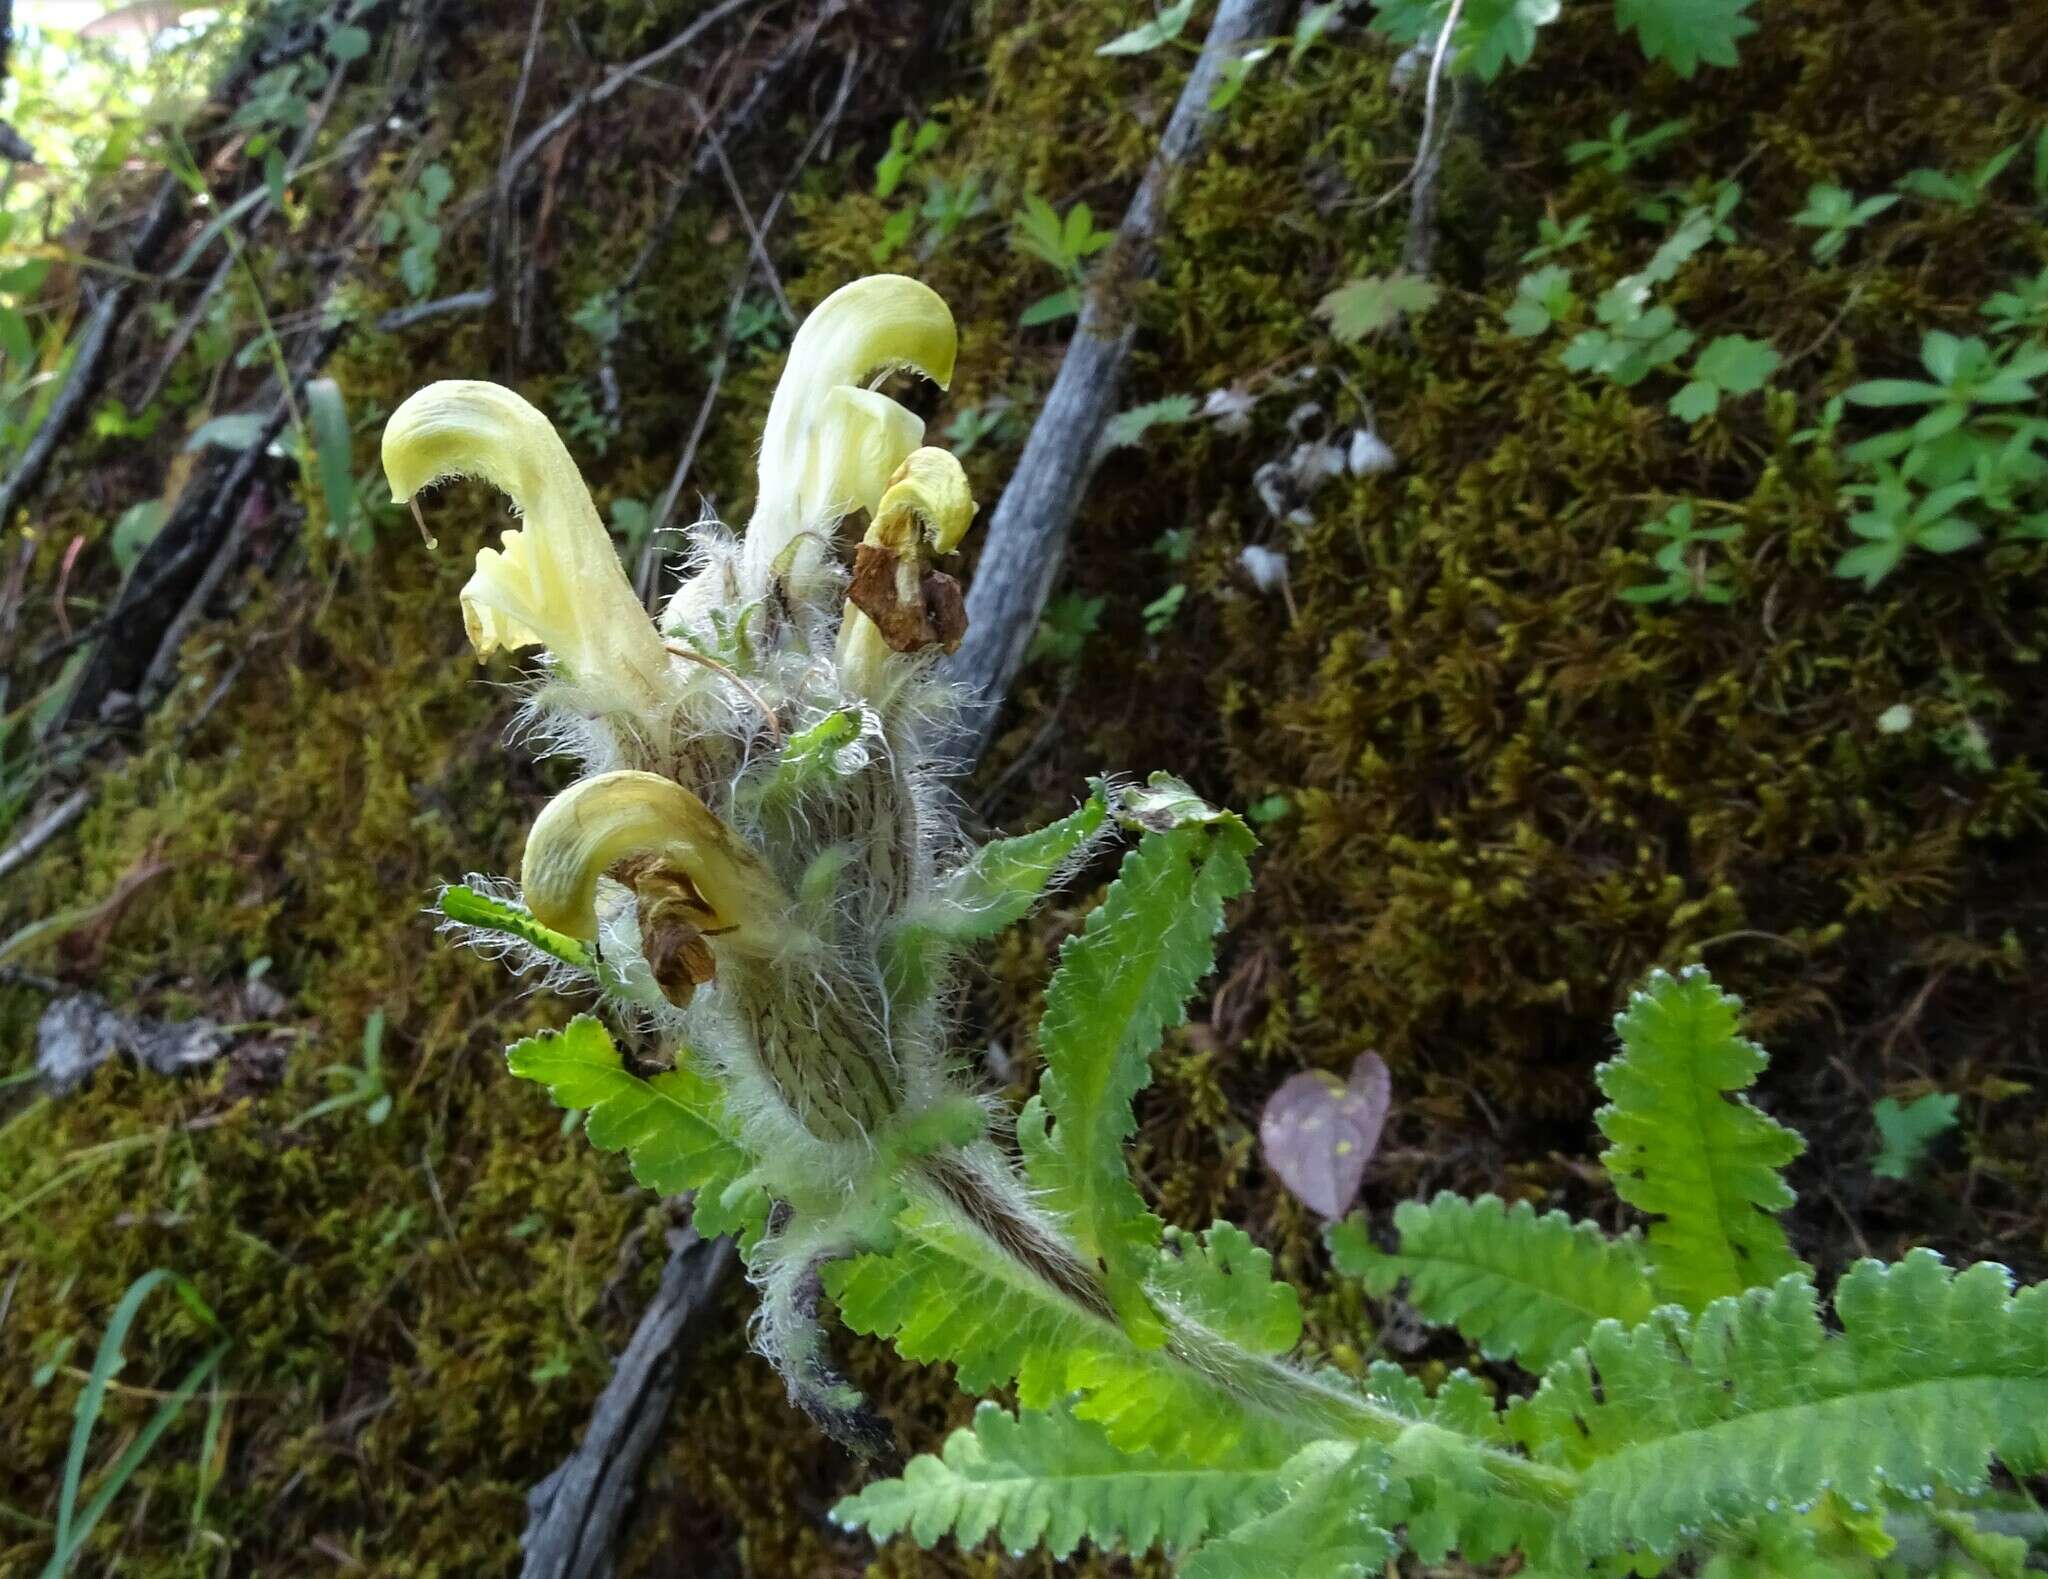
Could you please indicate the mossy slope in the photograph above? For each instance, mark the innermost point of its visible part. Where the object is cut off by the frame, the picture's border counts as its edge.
(1510, 792)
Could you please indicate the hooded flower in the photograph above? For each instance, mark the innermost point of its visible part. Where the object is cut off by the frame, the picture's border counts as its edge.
(897, 603)
(832, 444)
(555, 581)
(758, 815)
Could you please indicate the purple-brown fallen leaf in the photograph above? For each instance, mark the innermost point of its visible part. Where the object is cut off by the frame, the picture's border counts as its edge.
(1318, 1132)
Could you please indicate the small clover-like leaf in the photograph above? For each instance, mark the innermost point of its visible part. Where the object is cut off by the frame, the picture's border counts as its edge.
(1542, 297)
(1736, 364)
(1697, 400)
(1366, 306)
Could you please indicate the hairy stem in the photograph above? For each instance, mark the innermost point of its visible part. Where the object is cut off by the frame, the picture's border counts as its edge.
(1308, 1407)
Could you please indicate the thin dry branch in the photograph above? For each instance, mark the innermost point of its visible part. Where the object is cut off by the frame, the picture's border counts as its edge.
(574, 1514)
(1027, 537)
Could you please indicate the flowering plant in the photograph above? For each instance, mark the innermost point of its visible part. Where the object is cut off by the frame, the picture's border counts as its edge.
(760, 867)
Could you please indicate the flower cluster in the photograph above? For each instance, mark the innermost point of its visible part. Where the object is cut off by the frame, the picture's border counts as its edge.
(751, 859)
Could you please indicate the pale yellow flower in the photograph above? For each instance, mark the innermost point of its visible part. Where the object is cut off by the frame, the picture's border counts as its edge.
(595, 825)
(831, 444)
(554, 581)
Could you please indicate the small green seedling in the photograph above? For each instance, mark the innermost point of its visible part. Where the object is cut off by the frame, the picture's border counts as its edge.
(1689, 575)
(1543, 297)
(1732, 364)
(360, 1087)
(1553, 238)
(1905, 1131)
(1834, 212)
(2021, 309)
(1967, 190)
(1063, 631)
(411, 218)
(1160, 612)
(1898, 517)
(1164, 28)
(1064, 243)
(1618, 152)
(905, 147)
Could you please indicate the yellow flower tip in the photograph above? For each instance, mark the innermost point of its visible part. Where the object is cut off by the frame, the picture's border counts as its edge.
(555, 581)
(465, 427)
(929, 491)
(895, 602)
(594, 825)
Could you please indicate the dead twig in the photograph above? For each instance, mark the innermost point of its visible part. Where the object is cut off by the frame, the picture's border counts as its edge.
(509, 169)
(574, 1514)
(1423, 157)
(44, 829)
(400, 319)
(1027, 536)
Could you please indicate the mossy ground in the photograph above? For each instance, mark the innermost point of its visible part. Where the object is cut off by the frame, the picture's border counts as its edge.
(1510, 792)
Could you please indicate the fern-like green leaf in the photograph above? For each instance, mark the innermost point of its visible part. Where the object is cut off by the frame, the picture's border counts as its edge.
(1689, 1425)
(1520, 1286)
(1689, 1148)
(1223, 1282)
(1119, 985)
(672, 1127)
(1322, 1526)
(939, 1295)
(1048, 1478)
(994, 890)
(1447, 1497)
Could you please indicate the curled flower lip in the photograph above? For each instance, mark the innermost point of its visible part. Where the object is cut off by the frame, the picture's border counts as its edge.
(662, 830)
(555, 581)
(830, 445)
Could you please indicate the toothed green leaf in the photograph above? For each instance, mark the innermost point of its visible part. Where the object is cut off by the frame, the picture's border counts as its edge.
(993, 890)
(939, 1295)
(1690, 1149)
(1684, 33)
(1223, 1282)
(1119, 985)
(1688, 1425)
(1047, 1478)
(1520, 1286)
(672, 1126)
(1323, 1523)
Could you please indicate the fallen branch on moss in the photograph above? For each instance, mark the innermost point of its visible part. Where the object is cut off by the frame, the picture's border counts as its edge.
(574, 1514)
(1027, 538)
(82, 379)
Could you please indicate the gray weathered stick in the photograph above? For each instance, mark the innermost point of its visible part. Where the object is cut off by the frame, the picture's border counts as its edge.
(1027, 538)
(574, 1514)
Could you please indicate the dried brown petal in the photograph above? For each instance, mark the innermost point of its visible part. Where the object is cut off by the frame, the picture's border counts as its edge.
(912, 608)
